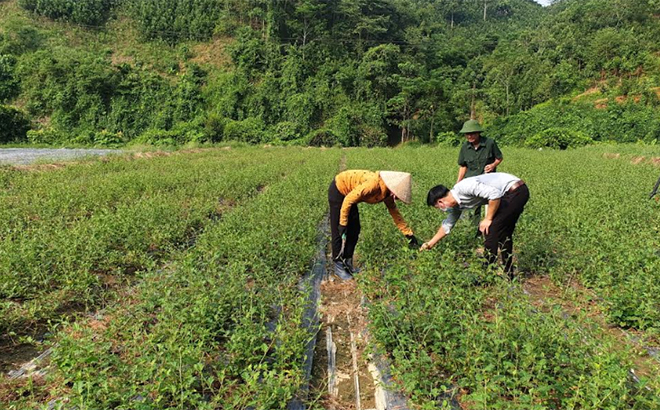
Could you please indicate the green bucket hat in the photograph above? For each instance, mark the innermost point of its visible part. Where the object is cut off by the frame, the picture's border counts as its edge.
(471, 126)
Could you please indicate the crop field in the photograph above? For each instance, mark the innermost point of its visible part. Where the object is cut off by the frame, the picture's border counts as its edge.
(173, 282)
(588, 227)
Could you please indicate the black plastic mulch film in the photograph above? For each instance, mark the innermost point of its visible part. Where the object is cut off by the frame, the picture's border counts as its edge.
(311, 284)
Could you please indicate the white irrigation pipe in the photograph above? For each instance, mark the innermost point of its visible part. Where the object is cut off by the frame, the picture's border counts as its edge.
(332, 363)
(356, 369)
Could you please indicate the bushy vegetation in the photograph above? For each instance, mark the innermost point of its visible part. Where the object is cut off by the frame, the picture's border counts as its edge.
(452, 327)
(8, 81)
(13, 125)
(88, 12)
(558, 138)
(68, 235)
(350, 73)
(579, 123)
(83, 94)
(213, 245)
(177, 20)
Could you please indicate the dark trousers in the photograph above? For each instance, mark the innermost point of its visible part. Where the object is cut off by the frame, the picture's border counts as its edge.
(500, 234)
(335, 199)
(475, 219)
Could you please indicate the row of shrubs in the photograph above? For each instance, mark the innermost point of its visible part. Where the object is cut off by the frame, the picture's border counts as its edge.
(564, 123)
(15, 127)
(213, 130)
(89, 12)
(557, 138)
(168, 20)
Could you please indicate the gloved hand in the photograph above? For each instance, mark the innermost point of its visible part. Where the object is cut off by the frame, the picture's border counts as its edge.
(342, 231)
(413, 243)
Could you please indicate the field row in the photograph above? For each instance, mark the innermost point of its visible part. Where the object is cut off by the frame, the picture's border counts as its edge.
(450, 325)
(69, 236)
(215, 243)
(220, 326)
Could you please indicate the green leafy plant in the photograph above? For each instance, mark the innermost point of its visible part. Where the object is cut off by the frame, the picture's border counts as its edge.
(558, 138)
(46, 136)
(89, 12)
(449, 138)
(249, 130)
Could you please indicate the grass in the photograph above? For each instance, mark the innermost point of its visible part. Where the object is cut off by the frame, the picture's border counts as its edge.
(216, 323)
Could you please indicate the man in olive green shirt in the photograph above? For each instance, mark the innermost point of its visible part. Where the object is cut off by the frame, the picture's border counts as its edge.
(479, 155)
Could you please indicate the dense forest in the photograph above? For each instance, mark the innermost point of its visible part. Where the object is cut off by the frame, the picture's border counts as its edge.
(327, 72)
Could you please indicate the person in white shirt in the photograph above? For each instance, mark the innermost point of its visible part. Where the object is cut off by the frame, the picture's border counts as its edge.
(506, 196)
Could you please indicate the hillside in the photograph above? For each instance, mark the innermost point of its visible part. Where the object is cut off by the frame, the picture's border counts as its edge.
(316, 72)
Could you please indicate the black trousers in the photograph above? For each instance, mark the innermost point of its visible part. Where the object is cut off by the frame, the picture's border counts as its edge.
(336, 199)
(500, 234)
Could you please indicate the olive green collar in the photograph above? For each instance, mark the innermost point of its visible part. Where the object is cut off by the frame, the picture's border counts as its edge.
(482, 143)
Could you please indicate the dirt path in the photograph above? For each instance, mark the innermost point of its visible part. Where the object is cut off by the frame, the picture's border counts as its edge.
(341, 373)
(25, 156)
(345, 373)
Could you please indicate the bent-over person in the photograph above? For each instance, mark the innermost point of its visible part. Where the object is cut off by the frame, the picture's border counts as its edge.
(346, 191)
(506, 196)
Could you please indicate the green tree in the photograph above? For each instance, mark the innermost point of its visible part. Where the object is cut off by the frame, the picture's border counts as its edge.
(377, 73)
(176, 20)
(9, 84)
(88, 12)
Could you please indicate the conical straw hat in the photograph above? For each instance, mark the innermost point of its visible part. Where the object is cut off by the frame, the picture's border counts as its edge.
(400, 183)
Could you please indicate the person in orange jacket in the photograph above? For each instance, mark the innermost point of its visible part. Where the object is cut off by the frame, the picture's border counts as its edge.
(346, 191)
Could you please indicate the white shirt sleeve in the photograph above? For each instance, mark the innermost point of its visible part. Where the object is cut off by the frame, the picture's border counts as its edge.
(452, 216)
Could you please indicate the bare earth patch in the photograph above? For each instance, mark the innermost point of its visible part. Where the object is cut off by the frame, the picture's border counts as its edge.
(601, 104)
(213, 53)
(591, 91)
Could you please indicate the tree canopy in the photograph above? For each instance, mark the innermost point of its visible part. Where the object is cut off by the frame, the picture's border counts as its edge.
(349, 72)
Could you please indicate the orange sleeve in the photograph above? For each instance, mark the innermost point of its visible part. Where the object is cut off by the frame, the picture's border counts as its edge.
(357, 195)
(396, 215)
